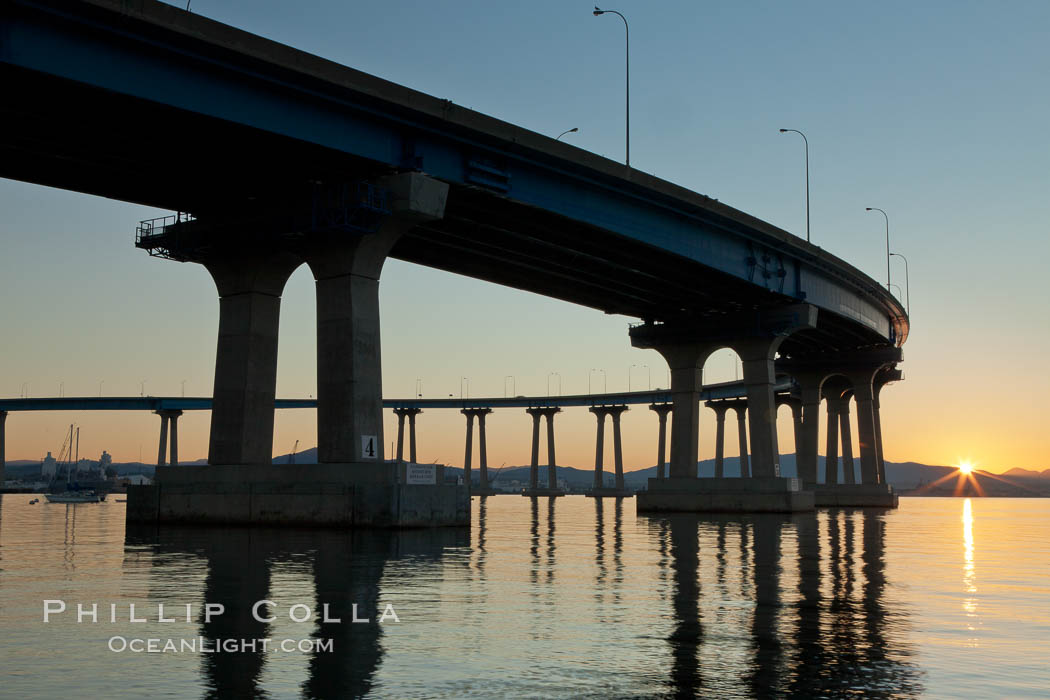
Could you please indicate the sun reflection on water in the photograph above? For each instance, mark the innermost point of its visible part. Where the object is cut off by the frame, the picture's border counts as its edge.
(969, 572)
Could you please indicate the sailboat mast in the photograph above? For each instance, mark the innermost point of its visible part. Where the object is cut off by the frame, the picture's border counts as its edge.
(69, 456)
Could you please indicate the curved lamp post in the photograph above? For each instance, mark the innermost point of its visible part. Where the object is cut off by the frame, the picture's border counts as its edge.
(573, 130)
(784, 131)
(907, 285)
(599, 11)
(885, 216)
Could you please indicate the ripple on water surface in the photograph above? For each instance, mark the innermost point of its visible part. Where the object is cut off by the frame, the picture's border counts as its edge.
(542, 597)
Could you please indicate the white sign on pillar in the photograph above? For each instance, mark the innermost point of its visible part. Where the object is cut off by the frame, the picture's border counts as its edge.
(369, 445)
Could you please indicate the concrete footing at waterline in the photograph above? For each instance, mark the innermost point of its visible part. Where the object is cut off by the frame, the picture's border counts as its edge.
(609, 493)
(854, 495)
(318, 495)
(725, 495)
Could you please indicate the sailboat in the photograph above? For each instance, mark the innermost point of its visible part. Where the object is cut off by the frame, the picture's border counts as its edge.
(70, 495)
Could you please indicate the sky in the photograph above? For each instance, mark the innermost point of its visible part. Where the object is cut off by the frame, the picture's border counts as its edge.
(936, 112)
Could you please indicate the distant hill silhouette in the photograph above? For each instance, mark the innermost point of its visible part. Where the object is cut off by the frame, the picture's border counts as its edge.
(906, 477)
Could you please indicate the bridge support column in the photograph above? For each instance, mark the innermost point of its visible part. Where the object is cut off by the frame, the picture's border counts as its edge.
(3, 445)
(483, 482)
(552, 470)
(720, 437)
(534, 464)
(411, 414)
(858, 374)
(831, 452)
(616, 412)
(411, 435)
(662, 409)
(600, 412)
(869, 454)
(885, 376)
(849, 475)
(806, 447)
(346, 271)
(741, 425)
(168, 418)
(796, 420)
(483, 460)
(469, 449)
(757, 358)
(686, 343)
(250, 287)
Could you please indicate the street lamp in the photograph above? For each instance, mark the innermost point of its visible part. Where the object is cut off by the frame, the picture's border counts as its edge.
(513, 385)
(183, 388)
(461, 380)
(629, 377)
(419, 388)
(784, 131)
(553, 374)
(573, 130)
(650, 373)
(100, 387)
(907, 285)
(885, 216)
(627, 29)
(142, 388)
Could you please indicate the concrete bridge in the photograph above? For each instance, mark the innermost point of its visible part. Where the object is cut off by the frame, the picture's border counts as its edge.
(279, 158)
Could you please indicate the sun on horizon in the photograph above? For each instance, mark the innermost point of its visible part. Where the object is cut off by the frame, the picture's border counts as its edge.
(966, 466)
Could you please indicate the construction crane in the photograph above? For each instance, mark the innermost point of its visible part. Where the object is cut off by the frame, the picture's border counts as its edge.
(291, 457)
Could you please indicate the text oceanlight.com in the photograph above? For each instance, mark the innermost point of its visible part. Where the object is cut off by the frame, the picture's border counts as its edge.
(202, 645)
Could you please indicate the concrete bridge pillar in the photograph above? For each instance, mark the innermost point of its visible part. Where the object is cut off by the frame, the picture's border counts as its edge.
(616, 412)
(662, 409)
(806, 444)
(884, 377)
(552, 473)
(3, 445)
(471, 414)
(600, 412)
(411, 414)
(796, 420)
(250, 286)
(346, 271)
(534, 465)
(759, 377)
(469, 450)
(720, 408)
(831, 452)
(848, 468)
(741, 421)
(483, 460)
(168, 418)
(412, 435)
(864, 395)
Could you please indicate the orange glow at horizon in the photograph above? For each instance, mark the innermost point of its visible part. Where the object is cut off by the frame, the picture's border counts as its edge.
(966, 466)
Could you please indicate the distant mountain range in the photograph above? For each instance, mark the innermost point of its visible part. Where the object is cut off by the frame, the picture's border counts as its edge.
(906, 477)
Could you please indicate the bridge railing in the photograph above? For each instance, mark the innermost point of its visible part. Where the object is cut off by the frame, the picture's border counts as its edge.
(156, 227)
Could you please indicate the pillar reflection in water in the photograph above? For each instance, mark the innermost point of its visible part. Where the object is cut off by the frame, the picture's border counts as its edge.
(688, 631)
(814, 635)
(343, 569)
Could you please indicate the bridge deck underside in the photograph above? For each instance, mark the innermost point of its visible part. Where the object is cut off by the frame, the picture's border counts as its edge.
(172, 159)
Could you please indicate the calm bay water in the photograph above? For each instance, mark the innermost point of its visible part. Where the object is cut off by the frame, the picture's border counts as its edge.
(543, 597)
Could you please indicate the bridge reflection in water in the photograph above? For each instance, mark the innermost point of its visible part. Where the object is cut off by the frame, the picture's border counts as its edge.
(813, 621)
(756, 605)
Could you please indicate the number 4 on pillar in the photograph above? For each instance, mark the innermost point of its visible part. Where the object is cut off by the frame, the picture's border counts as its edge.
(368, 446)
